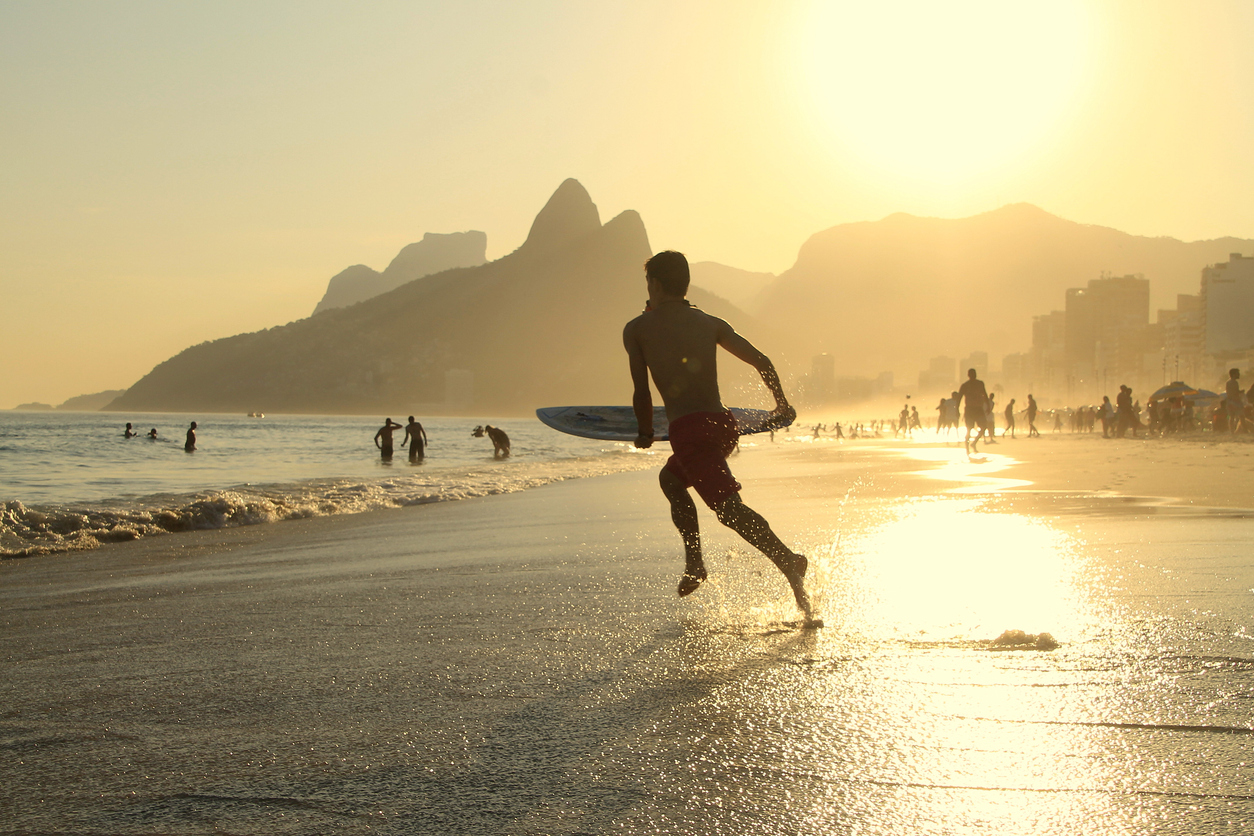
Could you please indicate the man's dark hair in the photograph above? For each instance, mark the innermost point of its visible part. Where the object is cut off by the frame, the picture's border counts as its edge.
(670, 270)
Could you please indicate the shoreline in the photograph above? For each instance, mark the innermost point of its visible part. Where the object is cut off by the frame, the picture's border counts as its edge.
(1192, 472)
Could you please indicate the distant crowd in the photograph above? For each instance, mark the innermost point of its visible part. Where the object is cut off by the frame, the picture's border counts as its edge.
(1173, 409)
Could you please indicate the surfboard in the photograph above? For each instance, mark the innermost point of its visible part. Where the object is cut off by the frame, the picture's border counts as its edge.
(618, 423)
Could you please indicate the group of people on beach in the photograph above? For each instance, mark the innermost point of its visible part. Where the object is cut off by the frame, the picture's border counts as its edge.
(189, 444)
(416, 437)
(1181, 411)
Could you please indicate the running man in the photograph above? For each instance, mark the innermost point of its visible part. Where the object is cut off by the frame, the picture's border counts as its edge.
(678, 345)
(976, 412)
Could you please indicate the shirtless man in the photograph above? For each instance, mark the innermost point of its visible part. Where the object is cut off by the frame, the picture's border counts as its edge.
(383, 438)
(500, 441)
(416, 436)
(678, 345)
(190, 444)
(976, 412)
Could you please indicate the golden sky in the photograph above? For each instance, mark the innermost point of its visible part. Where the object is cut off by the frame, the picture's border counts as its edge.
(179, 172)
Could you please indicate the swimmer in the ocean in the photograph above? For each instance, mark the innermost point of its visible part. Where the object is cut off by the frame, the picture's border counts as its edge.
(190, 444)
(416, 437)
(383, 438)
(500, 441)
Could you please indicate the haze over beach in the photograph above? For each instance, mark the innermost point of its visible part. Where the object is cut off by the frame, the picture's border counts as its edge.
(235, 597)
(177, 174)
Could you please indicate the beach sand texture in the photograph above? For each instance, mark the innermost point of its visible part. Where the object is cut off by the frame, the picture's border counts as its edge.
(520, 664)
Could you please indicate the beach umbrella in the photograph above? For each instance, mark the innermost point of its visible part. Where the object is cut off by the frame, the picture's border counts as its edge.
(1175, 389)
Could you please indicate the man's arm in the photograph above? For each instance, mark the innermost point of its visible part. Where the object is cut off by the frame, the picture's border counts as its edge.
(641, 397)
(742, 349)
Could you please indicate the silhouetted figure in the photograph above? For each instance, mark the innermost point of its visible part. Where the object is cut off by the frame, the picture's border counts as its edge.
(678, 344)
(129, 433)
(1010, 420)
(1124, 415)
(990, 416)
(976, 411)
(477, 432)
(152, 433)
(417, 438)
(190, 444)
(383, 438)
(1235, 400)
(500, 441)
(1106, 412)
(1032, 410)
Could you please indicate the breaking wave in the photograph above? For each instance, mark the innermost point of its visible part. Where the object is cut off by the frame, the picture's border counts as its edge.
(38, 530)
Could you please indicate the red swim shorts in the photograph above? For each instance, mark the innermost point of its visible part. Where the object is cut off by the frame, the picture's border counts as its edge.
(701, 442)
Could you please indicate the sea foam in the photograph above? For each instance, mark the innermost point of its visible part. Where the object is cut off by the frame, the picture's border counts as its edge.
(36, 530)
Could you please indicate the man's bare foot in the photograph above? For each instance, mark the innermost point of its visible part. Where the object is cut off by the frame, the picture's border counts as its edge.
(692, 578)
(794, 569)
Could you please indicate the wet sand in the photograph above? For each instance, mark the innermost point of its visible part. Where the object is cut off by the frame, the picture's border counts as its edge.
(521, 663)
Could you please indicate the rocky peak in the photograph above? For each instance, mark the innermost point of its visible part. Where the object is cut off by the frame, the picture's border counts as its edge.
(569, 215)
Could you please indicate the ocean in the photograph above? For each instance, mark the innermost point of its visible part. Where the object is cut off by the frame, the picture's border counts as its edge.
(71, 481)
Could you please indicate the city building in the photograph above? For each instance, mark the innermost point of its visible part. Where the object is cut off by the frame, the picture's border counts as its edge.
(1228, 305)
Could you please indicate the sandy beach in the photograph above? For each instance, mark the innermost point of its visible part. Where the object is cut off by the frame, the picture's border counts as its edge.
(521, 663)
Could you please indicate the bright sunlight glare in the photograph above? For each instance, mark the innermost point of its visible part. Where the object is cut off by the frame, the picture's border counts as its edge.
(942, 91)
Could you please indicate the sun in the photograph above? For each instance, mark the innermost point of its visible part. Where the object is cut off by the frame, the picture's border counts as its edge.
(941, 90)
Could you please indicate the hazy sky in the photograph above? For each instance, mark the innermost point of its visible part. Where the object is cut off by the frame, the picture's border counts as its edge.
(179, 172)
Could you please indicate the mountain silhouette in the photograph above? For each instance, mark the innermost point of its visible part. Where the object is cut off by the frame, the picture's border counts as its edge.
(888, 295)
(435, 253)
(540, 326)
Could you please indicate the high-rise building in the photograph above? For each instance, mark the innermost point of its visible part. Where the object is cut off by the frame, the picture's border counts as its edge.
(1099, 317)
(1228, 305)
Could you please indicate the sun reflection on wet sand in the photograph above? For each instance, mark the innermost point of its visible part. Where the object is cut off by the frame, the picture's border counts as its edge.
(905, 714)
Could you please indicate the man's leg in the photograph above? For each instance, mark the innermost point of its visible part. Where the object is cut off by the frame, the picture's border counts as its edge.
(752, 526)
(684, 515)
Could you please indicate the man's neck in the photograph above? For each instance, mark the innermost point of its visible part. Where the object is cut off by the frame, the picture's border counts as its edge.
(659, 301)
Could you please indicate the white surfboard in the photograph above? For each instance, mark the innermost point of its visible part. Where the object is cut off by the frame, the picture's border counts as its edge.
(618, 423)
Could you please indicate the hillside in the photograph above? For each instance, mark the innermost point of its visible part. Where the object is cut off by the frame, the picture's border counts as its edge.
(435, 253)
(889, 294)
(540, 326)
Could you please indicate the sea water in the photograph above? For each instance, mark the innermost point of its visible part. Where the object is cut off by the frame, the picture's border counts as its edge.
(73, 480)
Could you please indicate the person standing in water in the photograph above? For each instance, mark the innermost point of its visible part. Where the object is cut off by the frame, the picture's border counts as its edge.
(416, 436)
(129, 432)
(383, 438)
(190, 444)
(678, 345)
(500, 441)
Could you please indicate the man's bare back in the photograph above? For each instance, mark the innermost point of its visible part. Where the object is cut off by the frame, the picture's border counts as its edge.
(677, 345)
